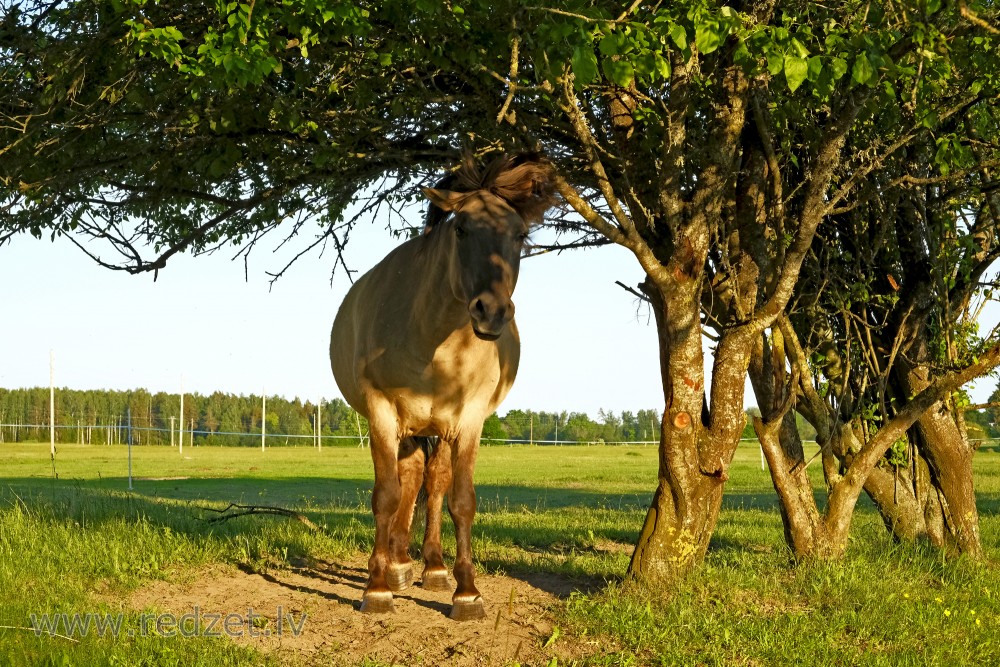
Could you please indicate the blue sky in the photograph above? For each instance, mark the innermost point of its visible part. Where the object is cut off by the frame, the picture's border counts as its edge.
(586, 343)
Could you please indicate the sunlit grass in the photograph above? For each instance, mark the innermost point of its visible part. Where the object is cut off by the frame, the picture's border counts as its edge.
(72, 543)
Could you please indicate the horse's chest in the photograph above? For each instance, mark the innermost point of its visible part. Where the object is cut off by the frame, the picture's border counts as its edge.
(458, 384)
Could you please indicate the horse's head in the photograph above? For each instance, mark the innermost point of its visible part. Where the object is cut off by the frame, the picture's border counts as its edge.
(486, 232)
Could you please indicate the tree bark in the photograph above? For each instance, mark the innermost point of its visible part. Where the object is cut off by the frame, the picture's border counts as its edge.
(902, 496)
(895, 496)
(807, 532)
(949, 460)
(806, 529)
(688, 496)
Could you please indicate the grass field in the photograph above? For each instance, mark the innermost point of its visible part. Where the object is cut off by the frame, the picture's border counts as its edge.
(70, 544)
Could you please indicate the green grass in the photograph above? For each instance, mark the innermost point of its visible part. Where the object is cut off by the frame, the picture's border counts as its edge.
(72, 543)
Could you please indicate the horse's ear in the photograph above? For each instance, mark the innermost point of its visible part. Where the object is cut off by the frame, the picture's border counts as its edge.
(446, 200)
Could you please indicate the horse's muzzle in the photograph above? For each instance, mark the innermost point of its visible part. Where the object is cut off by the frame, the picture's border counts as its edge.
(490, 315)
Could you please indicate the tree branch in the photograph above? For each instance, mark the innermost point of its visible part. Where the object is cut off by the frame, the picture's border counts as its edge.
(247, 510)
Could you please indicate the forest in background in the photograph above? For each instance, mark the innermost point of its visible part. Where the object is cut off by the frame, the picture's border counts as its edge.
(100, 417)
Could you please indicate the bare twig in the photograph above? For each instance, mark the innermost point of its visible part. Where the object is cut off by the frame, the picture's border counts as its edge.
(246, 510)
(971, 16)
(39, 631)
(633, 291)
(981, 406)
(515, 47)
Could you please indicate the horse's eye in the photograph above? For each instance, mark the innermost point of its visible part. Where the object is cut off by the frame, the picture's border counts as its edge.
(460, 231)
(522, 238)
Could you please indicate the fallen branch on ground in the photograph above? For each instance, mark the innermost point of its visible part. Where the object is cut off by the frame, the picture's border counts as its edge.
(246, 510)
(39, 631)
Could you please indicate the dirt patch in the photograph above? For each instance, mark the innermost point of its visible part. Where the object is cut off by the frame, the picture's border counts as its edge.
(321, 600)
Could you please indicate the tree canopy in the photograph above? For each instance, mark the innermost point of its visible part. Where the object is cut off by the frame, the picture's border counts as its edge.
(812, 185)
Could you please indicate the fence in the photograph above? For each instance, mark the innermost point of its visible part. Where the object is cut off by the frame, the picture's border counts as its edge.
(121, 433)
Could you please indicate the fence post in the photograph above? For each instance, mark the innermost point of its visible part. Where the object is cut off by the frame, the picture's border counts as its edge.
(128, 412)
(52, 410)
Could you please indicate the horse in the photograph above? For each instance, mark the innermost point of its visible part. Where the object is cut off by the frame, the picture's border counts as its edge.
(425, 345)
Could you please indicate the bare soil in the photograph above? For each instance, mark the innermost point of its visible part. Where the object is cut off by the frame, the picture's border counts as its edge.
(324, 597)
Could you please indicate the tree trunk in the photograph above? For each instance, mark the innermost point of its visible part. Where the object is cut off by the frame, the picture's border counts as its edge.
(806, 531)
(894, 496)
(949, 459)
(677, 529)
(693, 467)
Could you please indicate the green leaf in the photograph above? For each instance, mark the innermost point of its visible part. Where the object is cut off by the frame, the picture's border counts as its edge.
(645, 65)
(796, 70)
(862, 72)
(679, 36)
(815, 68)
(662, 65)
(800, 50)
(584, 65)
(619, 71)
(611, 45)
(838, 67)
(708, 36)
(775, 63)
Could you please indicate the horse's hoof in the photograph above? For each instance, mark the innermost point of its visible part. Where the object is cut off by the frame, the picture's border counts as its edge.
(399, 576)
(377, 602)
(467, 609)
(436, 580)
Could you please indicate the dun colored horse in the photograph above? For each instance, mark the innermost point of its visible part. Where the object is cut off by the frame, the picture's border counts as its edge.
(425, 345)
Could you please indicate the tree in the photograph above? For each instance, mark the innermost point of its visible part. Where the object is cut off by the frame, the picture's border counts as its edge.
(713, 141)
(493, 428)
(993, 411)
(891, 310)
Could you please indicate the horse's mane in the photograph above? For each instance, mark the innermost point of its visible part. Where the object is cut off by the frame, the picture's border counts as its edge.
(524, 181)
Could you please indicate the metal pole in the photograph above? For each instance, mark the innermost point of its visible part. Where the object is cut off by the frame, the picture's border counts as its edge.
(180, 422)
(129, 413)
(52, 410)
(263, 419)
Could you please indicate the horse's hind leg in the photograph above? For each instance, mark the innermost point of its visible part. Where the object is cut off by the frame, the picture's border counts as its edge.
(411, 477)
(466, 603)
(437, 480)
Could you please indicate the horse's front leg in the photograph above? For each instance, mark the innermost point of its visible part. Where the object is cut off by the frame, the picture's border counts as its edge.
(385, 502)
(411, 477)
(437, 481)
(466, 603)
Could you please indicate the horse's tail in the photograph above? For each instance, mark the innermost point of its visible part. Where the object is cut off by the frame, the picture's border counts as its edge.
(426, 443)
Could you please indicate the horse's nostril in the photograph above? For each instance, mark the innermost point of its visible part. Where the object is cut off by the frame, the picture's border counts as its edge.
(479, 308)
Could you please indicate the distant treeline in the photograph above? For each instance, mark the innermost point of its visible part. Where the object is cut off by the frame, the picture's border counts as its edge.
(102, 417)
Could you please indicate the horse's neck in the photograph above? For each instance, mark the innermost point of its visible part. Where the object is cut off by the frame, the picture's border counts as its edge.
(436, 311)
